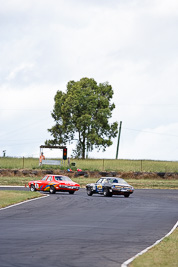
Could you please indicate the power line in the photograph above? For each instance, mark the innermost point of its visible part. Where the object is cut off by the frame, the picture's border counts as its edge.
(41, 109)
(148, 105)
(136, 130)
(20, 144)
(40, 121)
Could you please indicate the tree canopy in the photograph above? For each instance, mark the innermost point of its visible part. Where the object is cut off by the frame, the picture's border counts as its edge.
(83, 113)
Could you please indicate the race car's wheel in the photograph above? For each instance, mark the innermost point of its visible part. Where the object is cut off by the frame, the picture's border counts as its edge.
(32, 188)
(106, 193)
(71, 192)
(126, 195)
(52, 190)
(89, 192)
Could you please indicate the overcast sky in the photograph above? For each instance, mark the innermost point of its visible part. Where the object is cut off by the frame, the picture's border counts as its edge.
(132, 44)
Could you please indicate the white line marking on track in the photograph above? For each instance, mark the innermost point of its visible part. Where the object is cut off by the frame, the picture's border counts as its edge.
(17, 204)
(125, 264)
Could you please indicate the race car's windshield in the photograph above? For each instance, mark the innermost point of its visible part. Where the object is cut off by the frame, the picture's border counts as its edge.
(117, 181)
(62, 178)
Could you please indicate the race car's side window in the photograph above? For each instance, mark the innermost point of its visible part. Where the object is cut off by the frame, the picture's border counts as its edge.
(58, 178)
(44, 178)
(49, 179)
(99, 181)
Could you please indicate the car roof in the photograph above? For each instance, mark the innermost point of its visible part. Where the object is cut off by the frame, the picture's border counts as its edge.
(56, 175)
(111, 177)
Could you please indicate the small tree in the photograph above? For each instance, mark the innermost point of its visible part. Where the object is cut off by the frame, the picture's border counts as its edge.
(83, 113)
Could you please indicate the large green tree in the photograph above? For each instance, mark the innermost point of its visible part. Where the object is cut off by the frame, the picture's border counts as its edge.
(83, 113)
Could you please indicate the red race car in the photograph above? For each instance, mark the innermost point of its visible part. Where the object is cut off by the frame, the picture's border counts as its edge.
(53, 183)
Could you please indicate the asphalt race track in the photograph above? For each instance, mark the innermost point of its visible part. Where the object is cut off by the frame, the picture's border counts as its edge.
(81, 231)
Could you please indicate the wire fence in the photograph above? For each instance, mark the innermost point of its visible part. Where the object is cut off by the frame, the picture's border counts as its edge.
(122, 165)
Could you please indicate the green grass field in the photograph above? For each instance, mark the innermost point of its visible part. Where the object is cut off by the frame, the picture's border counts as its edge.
(163, 254)
(11, 197)
(95, 164)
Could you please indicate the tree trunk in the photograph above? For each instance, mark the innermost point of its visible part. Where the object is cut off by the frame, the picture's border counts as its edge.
(83, 149)
(83, 146)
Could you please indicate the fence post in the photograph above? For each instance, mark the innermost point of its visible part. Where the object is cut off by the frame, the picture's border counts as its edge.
(141, 165)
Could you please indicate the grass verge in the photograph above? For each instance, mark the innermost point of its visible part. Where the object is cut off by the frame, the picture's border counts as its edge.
(153, 184)
(11, 197)
(136, 183)
(163, 254)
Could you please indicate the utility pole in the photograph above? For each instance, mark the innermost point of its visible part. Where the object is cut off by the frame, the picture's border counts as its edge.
(118, 141)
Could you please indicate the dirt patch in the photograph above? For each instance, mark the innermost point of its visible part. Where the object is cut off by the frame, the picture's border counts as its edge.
(94, 174)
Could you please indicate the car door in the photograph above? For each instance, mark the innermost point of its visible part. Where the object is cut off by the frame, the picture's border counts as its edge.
(42, 183)
(47, 183)
(99, 185)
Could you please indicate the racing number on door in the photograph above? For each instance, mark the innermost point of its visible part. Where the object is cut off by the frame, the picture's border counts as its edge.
(36, 186)
(99, 187)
